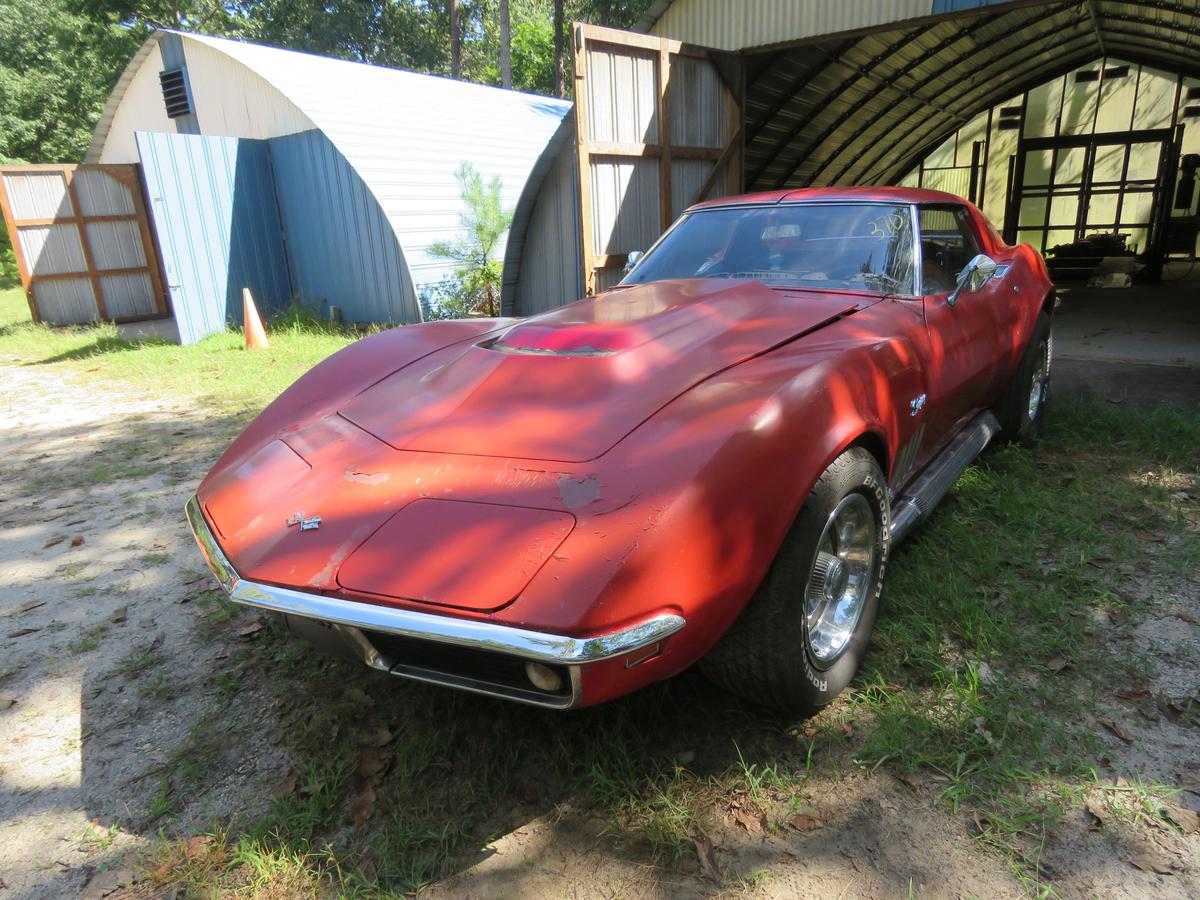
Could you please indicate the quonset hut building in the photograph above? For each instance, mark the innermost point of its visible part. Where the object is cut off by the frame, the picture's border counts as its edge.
(309, 178)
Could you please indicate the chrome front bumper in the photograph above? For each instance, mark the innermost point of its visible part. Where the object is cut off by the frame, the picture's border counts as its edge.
(354, 623)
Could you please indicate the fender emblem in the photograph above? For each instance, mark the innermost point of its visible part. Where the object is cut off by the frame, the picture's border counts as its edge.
(916, 404)
(310, 523)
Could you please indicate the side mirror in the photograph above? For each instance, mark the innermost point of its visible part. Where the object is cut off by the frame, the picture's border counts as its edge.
(974, 276)
(632, 260)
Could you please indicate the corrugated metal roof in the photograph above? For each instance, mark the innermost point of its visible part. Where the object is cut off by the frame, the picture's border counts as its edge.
(756, 23)
(405, 134)
(863, 108)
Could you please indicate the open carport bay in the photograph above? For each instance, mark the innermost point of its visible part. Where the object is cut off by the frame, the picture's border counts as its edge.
(1135, 346)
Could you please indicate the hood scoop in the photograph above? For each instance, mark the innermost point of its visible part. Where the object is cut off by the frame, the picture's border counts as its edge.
(568, 385)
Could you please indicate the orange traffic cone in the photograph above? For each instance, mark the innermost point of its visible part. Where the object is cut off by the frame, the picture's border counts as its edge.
(256, 335)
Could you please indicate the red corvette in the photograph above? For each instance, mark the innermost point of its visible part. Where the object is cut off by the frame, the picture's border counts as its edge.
(708, 462)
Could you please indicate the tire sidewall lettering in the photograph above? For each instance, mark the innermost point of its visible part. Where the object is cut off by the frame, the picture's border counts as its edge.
(872, 487)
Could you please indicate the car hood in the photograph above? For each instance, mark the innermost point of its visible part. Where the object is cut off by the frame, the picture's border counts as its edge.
(568, 385)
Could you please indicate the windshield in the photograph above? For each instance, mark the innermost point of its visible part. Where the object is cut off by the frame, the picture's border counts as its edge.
(852, 246)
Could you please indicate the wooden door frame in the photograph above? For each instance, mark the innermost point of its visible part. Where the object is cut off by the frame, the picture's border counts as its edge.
(125, 174)
(725, 159)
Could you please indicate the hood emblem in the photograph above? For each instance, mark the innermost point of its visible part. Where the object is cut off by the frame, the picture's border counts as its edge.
(306, 523)
(916, 404)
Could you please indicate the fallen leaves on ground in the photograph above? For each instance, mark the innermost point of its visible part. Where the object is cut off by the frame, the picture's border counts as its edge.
(1181, 711)
(54, 540)
(1187, 820)
(287, 787)
(251, 628)
(750, 821)
(7, 700)
(362, 806)
(372, 762)
(1057, 663)
(1117, 730)
(77, 541)
(119, 615)
(21, 632)
(912, 781)
(1148, 862)
(708, 859)
(1132, 694)
(197, 847)
(1097, 815)
(374, 737)
(805, 823)
(1187, 617)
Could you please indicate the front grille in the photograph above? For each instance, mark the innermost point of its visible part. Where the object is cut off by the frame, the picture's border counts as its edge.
(481, 670)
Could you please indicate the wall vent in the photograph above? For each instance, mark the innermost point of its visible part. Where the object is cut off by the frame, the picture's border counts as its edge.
(175, 93)
(1010, 118)
(1193, 93)
(1191, 112)
(1116, 72)
(1087, 75)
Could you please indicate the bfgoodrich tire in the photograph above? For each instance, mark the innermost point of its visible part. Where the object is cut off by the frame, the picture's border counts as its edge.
(1022, 410)
(800, 639)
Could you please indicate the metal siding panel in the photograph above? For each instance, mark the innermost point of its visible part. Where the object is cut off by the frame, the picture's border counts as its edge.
(116, 245)
(687, 178)
(68, 301)
(52, 249)
(342, 249)
(625, 205)
(622, 85)
(128, 296)
(696, 104)
(757, 23)
(550, 265)
(101, 195)
(36, 195)
(213, 209)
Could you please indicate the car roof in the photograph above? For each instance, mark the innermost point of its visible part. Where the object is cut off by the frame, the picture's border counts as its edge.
(870, 193)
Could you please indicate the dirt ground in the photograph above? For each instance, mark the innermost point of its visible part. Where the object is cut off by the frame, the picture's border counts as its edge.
(109, 659)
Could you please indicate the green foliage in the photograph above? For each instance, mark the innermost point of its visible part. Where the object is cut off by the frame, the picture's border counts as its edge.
(9, 276)
(60, 58)
(57, 66)
(474, 289)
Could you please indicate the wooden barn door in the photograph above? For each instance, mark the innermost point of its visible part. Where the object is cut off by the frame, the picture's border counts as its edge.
(82, 242)
(657, 130)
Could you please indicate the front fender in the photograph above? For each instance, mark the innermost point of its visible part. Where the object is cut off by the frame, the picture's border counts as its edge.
(714, 481)
(349, 371)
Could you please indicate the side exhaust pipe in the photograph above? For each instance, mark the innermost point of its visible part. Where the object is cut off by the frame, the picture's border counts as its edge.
(928, 488)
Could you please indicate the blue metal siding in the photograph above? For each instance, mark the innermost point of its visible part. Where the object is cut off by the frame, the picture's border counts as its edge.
(213, 208)
(342, 249)
(949, 6)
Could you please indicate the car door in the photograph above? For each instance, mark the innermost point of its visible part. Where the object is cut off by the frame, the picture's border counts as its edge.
(962, 330)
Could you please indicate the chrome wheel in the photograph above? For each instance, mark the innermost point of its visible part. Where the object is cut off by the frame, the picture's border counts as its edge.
(1040, 380)
(840, 581)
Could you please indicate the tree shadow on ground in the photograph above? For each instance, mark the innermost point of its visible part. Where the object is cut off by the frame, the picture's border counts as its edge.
(206, 720)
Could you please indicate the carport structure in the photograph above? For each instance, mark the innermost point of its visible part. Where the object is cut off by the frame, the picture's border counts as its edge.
(717, 97)
(866, 105)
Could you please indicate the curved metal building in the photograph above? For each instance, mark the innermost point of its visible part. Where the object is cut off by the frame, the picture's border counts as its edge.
(308, 178)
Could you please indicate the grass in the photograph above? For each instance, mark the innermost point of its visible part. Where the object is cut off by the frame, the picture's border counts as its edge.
(217, 373)
(1003, 625)
(1005, 621)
